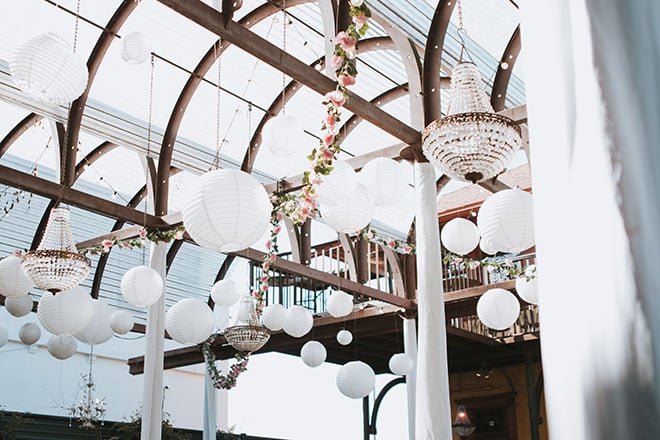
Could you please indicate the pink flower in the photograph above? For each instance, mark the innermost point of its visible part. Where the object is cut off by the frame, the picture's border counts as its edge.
(457, 260)
(346, 80)
(279, 216)
(269, 244)
(178, 235)
(277, 229)
(17, 253)
(327, 154)
(336, 97)
(331, 120)
(316, 180)
(406, 248)
(143, 233)
(336, 61)
(391, 243)
(107, 244)
(264, 287)
(265, 265)
(264, 278)
(273, 258)
(360, 19)
(328, 138)
(127, 246)
(345, 40)
(508, 262)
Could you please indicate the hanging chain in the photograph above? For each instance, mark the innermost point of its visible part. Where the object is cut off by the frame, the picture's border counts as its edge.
(461, 31)
(249, 151)
(216, 159)
(459, 6)
(284, 24)
(75, 30)
(147, 168)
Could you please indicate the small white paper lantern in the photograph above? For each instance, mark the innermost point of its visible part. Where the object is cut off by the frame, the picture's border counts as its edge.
(283, 135)
(134, 48)
(338, 185)
(460, 236)
(141, 286)
(506, 220)
(401, 364)
(298, 322)
(66, 313)
(356, 379)
(274, 317)
(498, 309)
(62, 346)
(4, 335)
(351, 214)
(121, 322)
(46, 68)
(385, 181)
(98, 331)
(29, 333)
(225, 293)
(344, 337)
(13, 281)
(340, 304)
(313, 353)
(486, 247)
(228, 211)
(19, 305)
(527, 290)
(189, 321)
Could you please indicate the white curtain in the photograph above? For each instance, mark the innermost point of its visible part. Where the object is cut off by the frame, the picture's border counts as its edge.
(595, 342)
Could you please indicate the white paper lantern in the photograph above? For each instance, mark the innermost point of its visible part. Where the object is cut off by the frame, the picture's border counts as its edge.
(344, 337)
(13, 281)
(228, 211)
(46, 68)
(121, 322)
(98, 331)
(338, 185)
(141, 286)
(351, 214)
(189, 321)
(340, 304)
(29, 333)
(356, 379)
(274, 317)
(460, 236)
(298, 321)
(498, 309)
(486, 247)
(134, 48)
(283, 135)
(313, 354)
(225, 293)
(62, 346)
(19, 305)
(506, 220)
(4, 335)
(527, 290)
(385, 181)
(401, 364)
(66, 313)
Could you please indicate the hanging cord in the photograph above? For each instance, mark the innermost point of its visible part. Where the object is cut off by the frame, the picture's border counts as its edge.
(249, 132)
(147, 168)
(218, 141)
(285, 20)
(462, 33)
(75, 29)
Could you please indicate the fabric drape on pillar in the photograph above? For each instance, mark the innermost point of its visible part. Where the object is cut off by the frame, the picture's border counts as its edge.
(210, 408)
(598, 371)
(432, 408)
(152, 394)
(410, 347)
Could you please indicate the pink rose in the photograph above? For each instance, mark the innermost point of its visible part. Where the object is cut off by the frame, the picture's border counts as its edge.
(345, 40)
(273, 257)
(178, 235)
(328, 138)
(264, 278)
(264, 287)
(279, 216)
(391, 243)
(107, 244)
(143, 233)
(277, 229)
(406, 249)
(265, 265)
(269, 244)
(336, 61)
(17, 253)
(330, 120)
(327, 154)
(336, 97)
(360, 19)
(346, 80)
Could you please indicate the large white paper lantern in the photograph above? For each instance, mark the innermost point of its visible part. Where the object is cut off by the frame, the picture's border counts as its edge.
(340, 304)
(528, 290)
(486, 247)
(225, 293)
(313, 353)
(19, 305)
(189, 321)
(356, 379)
(498, 309)
(460, 236)
(4, 335)
(283, 135)
(338, 185)
(351, 214)
(229, 210)
(506, 220)
(298, 322)
(385, 181)
(401, 364)
(62, 346)
(344, 337)
(274, 317)
(98, 331)
(66, 313)
(13, 281)
(46, 68)
(121, 322)
(141, 286)
(134, 48)
(29, 333)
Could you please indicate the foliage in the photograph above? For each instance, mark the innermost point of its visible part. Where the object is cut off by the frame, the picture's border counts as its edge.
(504, 266)
(10, 422)
(220, 381)
(131, 430)
(222, 435)
(140, 241)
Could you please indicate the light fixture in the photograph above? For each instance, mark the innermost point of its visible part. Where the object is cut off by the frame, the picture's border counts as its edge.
(88, 410)
(247, 334)
(462, 425)
(484, 371)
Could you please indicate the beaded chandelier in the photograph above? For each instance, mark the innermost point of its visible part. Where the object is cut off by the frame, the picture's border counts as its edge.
(247, 334)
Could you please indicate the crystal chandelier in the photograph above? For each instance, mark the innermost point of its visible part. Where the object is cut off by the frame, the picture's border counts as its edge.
(247, 334)
(56, 264)
(88, 410)
(462, 425)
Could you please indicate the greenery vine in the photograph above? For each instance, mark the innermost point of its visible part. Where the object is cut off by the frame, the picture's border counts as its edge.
(505, 266)
(157, 236)
(223, 381)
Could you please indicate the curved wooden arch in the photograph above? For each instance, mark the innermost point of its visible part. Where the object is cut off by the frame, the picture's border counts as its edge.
(24, 125)
(503, 76)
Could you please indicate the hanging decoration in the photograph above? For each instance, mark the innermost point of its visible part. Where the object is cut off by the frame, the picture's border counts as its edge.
(67, 313)
(134, 48)
(19, 305)
(313, 354)
(503, 266)
(189, 321)
(344, 337)
(225, 293)
(401, 364)
(274, 317)
(141, 286)
(121, 322)
(247, 335)
(459, 236)
(62, 347)
(220, 381)
(98, 331)
(337, 185)
(299, 321)
(356, 379)
(29, 333)
(399, 246)
(385, 181)
(340, 304)
(486, 247)
(139, 242)
(498, 309)
(89, 410)
(13, 282)
(350, 215)
(526, 285)
(462, 425)
(506, 220)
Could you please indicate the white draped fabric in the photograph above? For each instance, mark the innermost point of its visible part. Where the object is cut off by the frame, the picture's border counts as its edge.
(410, 347)
(210, 408)
(597, 362)
(432, 407)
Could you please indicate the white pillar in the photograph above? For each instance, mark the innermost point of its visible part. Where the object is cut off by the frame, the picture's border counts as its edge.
(432, 407)
(152, 393)
(410, 348)
(210, 408)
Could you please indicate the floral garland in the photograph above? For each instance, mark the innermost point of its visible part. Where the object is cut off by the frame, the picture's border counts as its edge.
(220, 381)
(504, 266)
(399, 246)
(140, 241)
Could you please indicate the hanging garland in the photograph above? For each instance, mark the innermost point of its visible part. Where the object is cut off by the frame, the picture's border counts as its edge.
(220, 381)
(156, 236)
(505, 266)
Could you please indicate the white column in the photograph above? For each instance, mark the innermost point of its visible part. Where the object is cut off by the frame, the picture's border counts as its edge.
(152, 393)
(210, 408)
(432, 407)
(410, 348)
